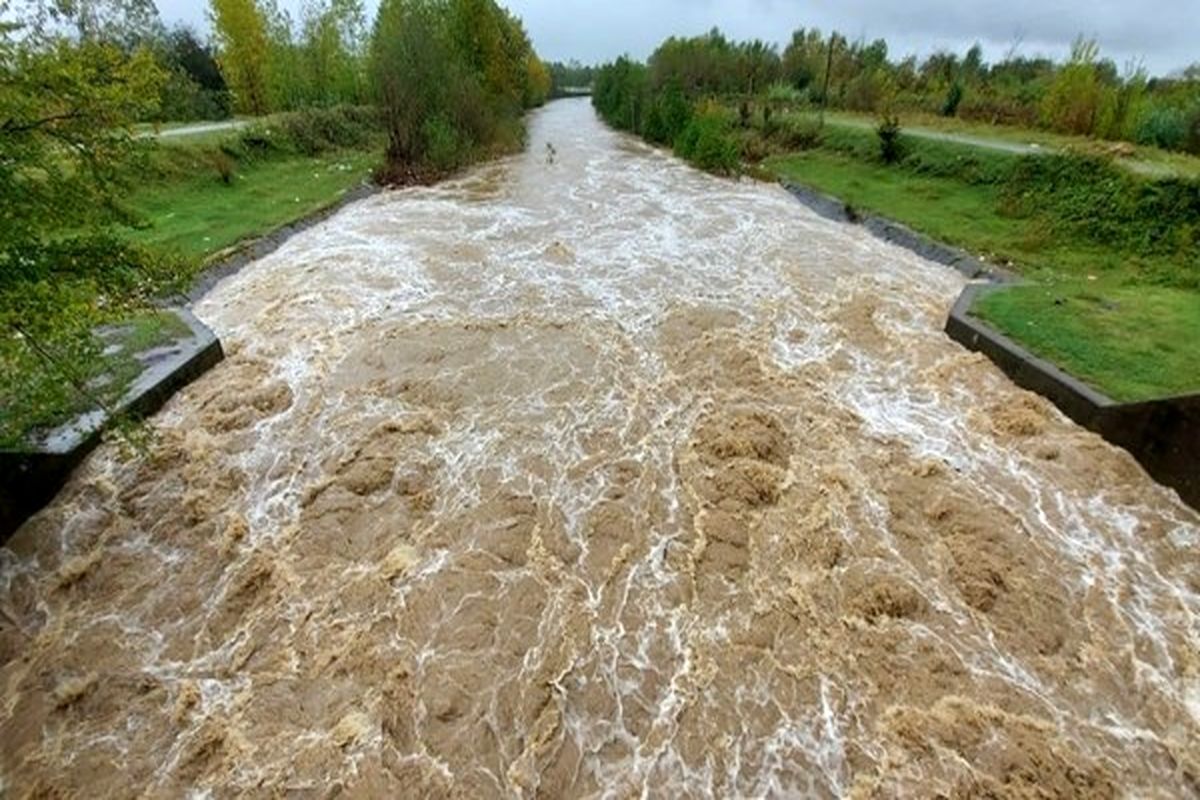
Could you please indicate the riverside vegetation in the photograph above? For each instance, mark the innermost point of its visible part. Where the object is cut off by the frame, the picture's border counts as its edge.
(100, 223)
(1108, 243)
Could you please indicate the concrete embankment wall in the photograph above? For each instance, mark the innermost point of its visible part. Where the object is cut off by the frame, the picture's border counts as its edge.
(30, 479)
(1162, 434)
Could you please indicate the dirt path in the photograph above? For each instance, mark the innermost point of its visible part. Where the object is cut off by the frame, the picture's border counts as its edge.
(198, 128)
(601, 477)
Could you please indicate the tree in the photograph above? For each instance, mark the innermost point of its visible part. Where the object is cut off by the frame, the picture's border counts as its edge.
(333, 37)
(66, 108)
(241, 30)
(1075, 99)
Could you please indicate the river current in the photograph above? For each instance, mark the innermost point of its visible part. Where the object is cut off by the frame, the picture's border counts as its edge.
(590, 475)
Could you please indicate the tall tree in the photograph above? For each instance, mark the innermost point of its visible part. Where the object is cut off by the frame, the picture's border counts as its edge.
(241, 30)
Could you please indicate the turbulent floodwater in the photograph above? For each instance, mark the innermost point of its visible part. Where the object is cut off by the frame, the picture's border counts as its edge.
(601, 477)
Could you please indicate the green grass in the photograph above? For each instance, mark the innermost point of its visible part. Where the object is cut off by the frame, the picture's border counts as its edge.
(1098, 311)
(1145, 160)
(1131, 342)
(963, 214)
(201, 215)
(47, 393)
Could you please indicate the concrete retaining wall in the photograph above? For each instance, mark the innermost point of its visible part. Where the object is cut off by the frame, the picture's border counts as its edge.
(1163, 435)
(900, 235)
(29, 480)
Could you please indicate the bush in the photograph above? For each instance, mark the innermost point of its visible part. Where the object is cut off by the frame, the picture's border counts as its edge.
(889, 139)
(445, 150)
(1092, 197)
(798, 133)
(669, 113)
(784, 94)
(1162, 127)
(309, 132)
(708, 143)
(953, 99)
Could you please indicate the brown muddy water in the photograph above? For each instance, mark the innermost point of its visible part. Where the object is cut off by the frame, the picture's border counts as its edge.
(601, 477)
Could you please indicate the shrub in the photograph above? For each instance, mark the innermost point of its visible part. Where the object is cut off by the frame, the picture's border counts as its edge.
(708, 143)
(798, 133)
(444, 149)
(889, 139)
(953, 98)
(1162, 127)
(784, 94)
(667, 116)
(223, 164)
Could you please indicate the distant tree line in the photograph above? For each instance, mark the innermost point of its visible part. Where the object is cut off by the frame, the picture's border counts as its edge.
(1085, 95)
(570, 77)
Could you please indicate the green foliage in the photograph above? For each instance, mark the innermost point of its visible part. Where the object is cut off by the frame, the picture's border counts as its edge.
(1090, 198)
(52, 297)
(65, 140)
(953, 100)
(890, 149)
(1085, 96)
(467, 65)
(318, 130)
(668, 115)
(569, 78)
(241, 30)
(195, 88)
(708, 143)
(796, 132)
(621, 92)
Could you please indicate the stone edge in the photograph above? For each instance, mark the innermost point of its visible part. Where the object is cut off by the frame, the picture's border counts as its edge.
(29, 480)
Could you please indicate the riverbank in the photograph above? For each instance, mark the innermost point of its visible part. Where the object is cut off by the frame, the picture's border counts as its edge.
(196, 201)
(531, 455)
(1112, 300)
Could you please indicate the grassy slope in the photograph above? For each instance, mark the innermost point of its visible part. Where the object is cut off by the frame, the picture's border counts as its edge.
(1134, 342)
(189, 212)
(1130, 340)
(201, 215)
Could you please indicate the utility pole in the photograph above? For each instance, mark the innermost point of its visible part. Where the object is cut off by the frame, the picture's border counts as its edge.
(828, 69)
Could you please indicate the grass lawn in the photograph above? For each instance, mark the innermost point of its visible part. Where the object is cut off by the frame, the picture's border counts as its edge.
(199, 216)
(1132, 342)
(1090, 309)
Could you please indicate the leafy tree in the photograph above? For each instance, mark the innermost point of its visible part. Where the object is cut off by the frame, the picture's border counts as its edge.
(1074, 101)
(241, 30)
(333, 40)
(452, 77)
(68, 100)
(195, 88)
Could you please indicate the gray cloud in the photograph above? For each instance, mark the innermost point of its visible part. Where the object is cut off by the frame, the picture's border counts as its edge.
(1165, 35)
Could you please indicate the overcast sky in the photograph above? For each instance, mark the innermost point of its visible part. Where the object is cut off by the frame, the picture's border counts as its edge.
(1163, 34)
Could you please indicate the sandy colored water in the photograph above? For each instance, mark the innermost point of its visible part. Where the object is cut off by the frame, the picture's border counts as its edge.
(600, 477)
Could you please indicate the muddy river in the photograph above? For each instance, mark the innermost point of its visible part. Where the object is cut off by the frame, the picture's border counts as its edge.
(595, 476)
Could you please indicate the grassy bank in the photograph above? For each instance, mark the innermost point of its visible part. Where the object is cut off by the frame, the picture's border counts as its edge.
(201, 216)
(203, 194)
(190, 199)
(1115, 272)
